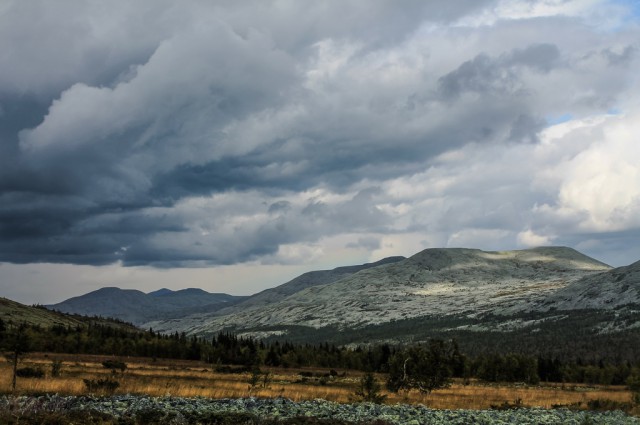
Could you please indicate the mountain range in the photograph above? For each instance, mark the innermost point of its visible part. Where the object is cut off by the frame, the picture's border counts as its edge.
(136, 307)
(437, 292)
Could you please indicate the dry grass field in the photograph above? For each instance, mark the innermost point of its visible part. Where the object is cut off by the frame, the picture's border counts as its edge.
(197, 379)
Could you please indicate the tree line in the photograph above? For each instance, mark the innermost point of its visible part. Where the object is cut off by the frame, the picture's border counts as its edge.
(437, 360)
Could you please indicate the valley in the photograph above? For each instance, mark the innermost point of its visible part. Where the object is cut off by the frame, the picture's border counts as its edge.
(544, 327)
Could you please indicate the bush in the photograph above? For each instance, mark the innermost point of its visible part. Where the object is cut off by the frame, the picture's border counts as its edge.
(602, 404)
(101, 385)
(369, 389)
(633, 381)
(154, 417)
(114, 364)
(425, 368)
(56, 368)
(229, 369)
(255, 377)
(517, 404)
(30, 372)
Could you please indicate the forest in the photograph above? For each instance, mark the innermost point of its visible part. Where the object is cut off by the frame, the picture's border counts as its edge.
(229, 352)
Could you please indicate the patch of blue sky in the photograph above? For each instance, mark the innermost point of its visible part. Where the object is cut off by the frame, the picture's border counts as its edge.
(632, 7)
(558, 119)
(614, 111)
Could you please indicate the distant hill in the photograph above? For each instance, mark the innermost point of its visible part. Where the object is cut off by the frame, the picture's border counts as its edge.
(16, 313)
(139, 308)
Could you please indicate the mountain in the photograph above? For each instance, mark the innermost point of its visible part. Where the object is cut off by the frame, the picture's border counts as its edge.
(433, 283)
(302, 282)
(139, 308)
(273, 295)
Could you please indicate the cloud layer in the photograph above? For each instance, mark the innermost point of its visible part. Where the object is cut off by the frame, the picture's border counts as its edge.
(209, 133)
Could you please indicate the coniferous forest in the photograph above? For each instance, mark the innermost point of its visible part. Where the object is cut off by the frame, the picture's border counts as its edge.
(228, 352)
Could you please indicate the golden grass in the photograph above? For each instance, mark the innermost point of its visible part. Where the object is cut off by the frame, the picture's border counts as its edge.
(196, 379)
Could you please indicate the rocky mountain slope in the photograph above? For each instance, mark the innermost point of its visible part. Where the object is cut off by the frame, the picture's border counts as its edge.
(139, 308)
(302, 282)
(432, 283)
(612, 289)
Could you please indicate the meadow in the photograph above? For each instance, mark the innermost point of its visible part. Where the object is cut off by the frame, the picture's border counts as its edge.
(198, 379)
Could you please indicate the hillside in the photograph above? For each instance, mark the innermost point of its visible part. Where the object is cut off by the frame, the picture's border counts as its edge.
(432, 283)
(302, 282)
(138, 308)
(609, 290)
(16, 313)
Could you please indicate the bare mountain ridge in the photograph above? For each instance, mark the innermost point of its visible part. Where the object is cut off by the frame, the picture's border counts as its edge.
(434, 282)
(302, 282)
(608, 290)
(146, 310)
(139, 308)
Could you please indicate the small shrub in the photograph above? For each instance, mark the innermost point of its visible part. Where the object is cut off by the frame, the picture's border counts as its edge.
(633, 381)
(154, 417)
(266, 379)
(602, 404)
(56, 368)
(30, 372)
(229, 369)
(369, 389)
(571, 406)
(255, 377)
(114, 364)
(517, 404)
(101, 385)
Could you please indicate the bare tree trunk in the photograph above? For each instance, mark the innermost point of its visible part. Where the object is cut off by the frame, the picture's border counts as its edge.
(15, 370)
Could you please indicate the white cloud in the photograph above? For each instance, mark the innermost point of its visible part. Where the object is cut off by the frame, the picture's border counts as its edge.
(600, 186)
(528, 239)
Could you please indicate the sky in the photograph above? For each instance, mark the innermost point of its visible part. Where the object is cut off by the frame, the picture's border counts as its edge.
(233, 145)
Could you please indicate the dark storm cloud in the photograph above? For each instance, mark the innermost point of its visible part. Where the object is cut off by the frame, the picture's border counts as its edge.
(218, 132)
(498, 76)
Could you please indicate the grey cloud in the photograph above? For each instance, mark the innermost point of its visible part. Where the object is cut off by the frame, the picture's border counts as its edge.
(279, 206)
(370, 243)
(109, 128)
(620, 58)
(526, 129)
(541, 57)
(499, 75)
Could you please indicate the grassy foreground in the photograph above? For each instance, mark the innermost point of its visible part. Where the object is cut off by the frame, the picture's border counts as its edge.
(197, 379)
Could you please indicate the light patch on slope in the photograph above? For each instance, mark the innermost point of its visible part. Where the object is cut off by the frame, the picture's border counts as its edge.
(437, 289)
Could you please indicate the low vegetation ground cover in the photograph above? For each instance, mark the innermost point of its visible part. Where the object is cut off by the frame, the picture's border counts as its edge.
(142, 410)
